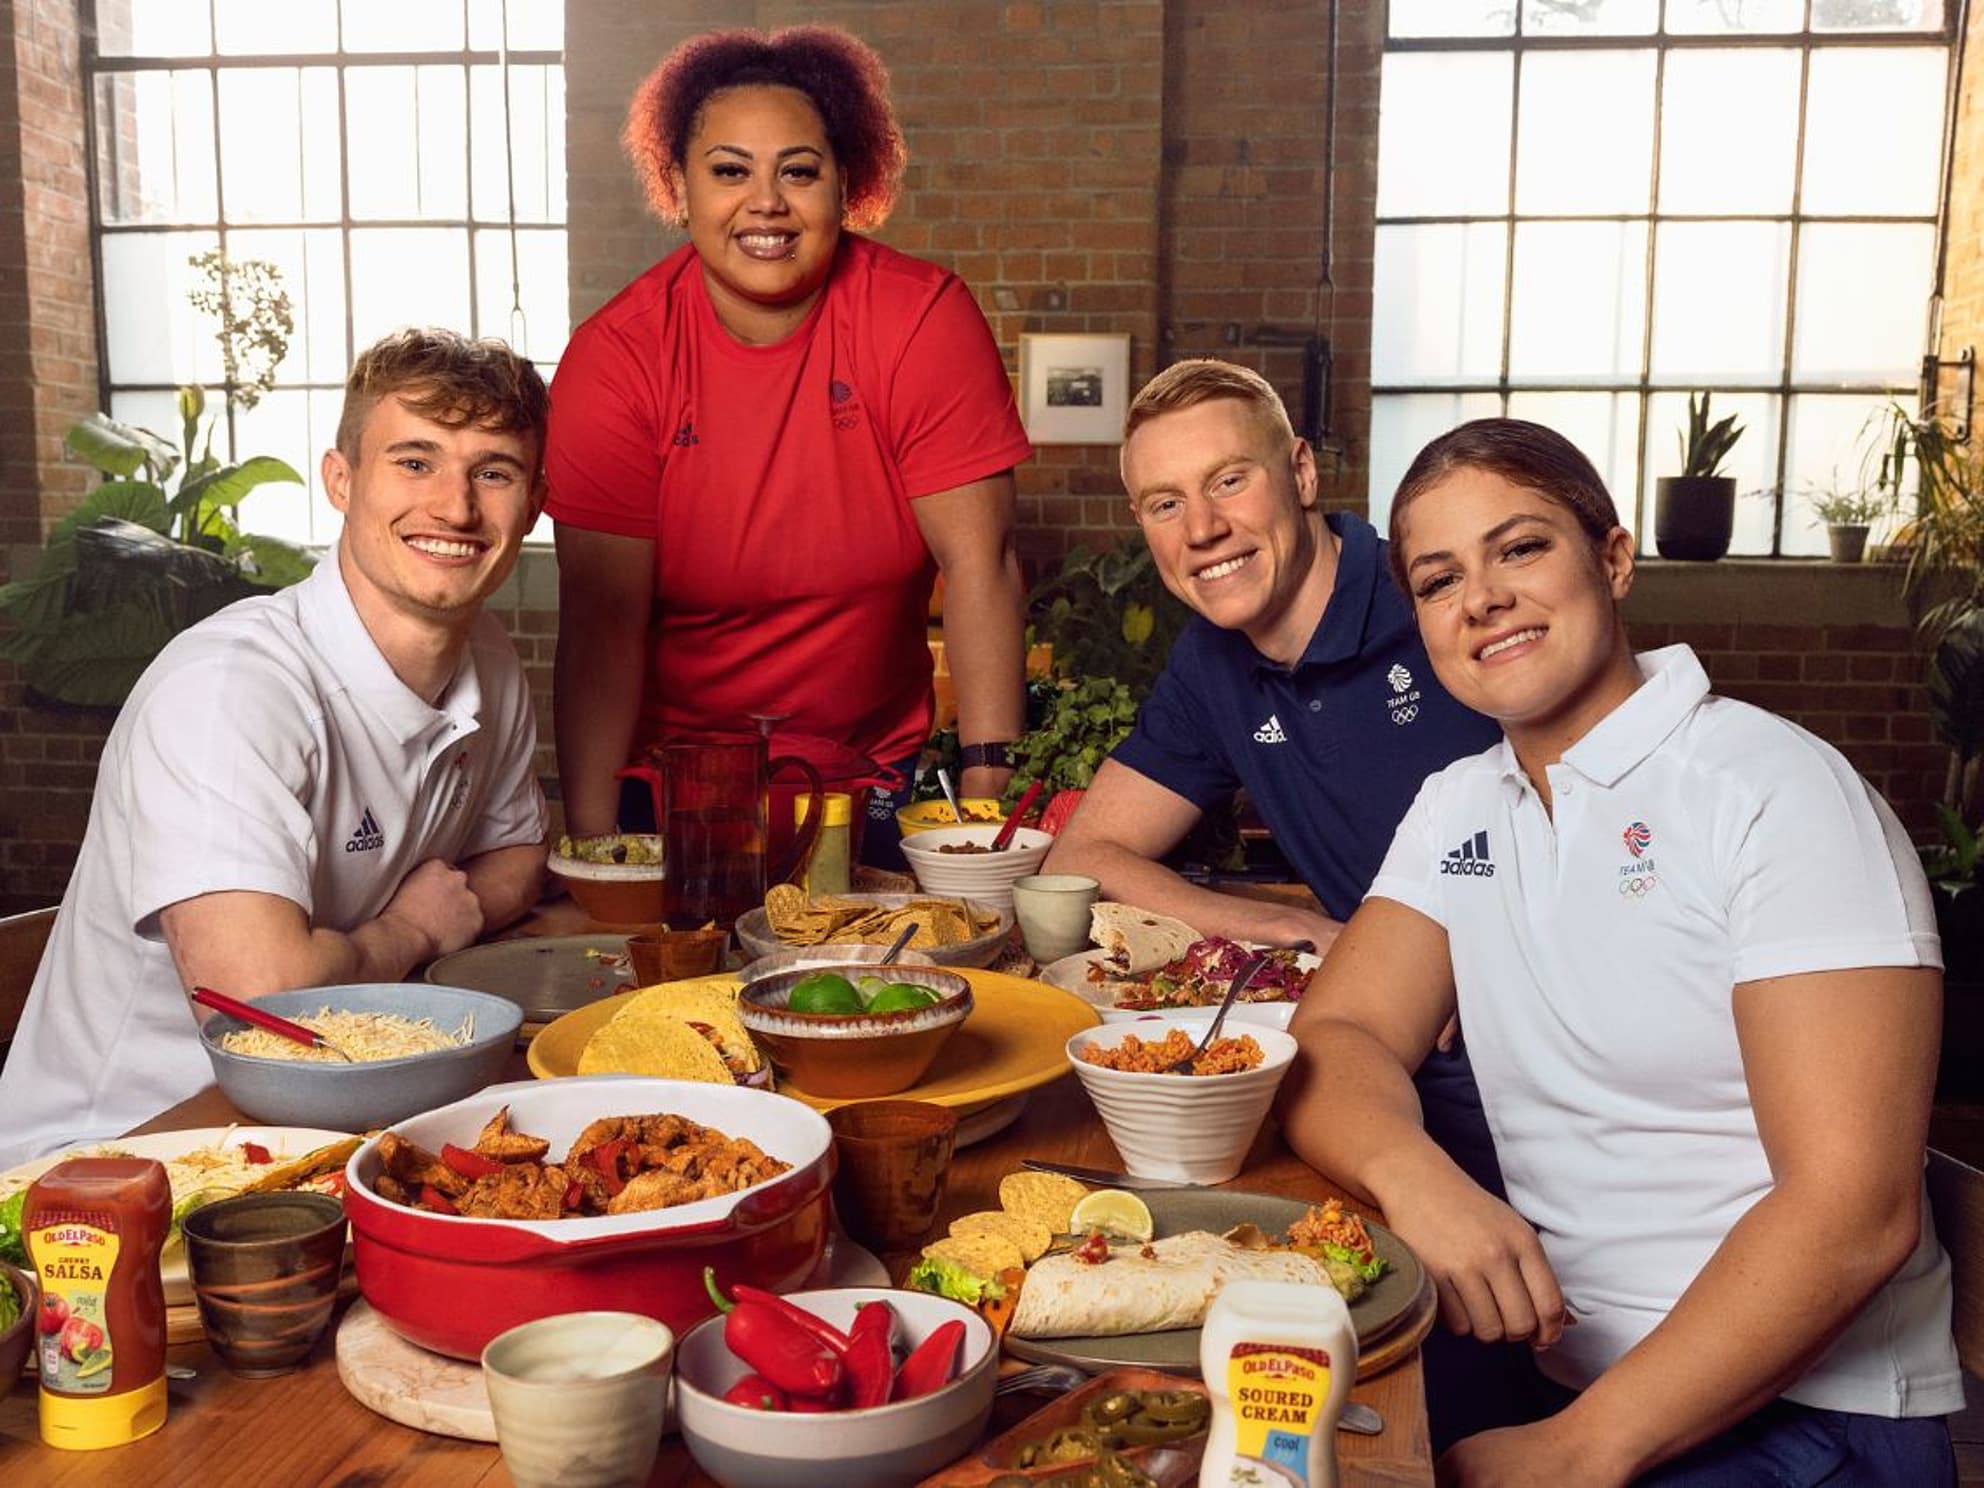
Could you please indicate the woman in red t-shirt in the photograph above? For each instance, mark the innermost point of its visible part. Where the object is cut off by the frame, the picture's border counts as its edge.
(764, 449)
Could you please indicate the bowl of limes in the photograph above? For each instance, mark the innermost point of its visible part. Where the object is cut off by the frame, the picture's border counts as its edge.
(852, 1031)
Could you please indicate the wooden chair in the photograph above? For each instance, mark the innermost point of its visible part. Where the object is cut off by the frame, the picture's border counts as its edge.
(22, 937)
(1956, 1197)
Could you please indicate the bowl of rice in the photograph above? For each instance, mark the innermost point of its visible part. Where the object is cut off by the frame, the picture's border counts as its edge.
(412, 1046)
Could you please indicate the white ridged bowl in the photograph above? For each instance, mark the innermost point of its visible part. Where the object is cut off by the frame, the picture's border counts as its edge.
(987, 876)
(1186, 1128)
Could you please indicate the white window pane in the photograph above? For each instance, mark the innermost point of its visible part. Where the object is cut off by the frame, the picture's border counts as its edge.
(535, 159)
(1831, 439)
(261, 144)
(403, 26)
(1452, 17)
(153, 333)
(1584, 140)
(279, 425)
(312, 265)
(407, 276)
(1443, 134)
(546, 322)
(1873, 130)
(154, 28)
(1589, 17)
(1438, 296)
(1605, 426)
(1402, 424)
(155, 147)
(1579, 308)
(1729, 131)
(1863, 293)
(535, 25)
(1719, 291)
(1752, 462)
(257, 27)
(406, 131)
(1720, 17)
(1877, 15)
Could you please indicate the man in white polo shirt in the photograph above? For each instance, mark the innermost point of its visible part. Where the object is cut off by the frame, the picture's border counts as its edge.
(328, 784)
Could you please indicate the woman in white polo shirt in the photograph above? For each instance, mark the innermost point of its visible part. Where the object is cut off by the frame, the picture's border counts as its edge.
(1696, 963)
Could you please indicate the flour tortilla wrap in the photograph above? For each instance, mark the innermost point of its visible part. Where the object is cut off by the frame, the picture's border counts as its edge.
(1137, 941)
(1129, 1293)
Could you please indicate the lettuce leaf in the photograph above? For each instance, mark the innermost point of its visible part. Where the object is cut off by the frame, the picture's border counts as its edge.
(1370, 1271)
(949, 1279)
(13, 1241)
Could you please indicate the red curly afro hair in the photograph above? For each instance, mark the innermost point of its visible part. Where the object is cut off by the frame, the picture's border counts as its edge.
(842, 76)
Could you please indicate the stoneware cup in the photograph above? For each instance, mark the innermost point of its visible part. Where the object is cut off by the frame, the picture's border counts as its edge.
(265, 1273)
(1052, 909)
(578, 1398)
(893, 1157)
(673, 955)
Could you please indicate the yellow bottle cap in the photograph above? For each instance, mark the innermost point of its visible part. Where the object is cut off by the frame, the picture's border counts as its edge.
(836, 809)
(84, 1423)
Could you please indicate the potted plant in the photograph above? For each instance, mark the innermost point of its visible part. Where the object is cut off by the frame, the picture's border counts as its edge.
(1848, 517)
(1695, 511)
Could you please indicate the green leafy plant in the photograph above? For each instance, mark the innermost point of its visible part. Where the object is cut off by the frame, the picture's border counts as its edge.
(1850, 507)
(1108, 614)
(1085, 721)
(1704, 446)
(143, 556)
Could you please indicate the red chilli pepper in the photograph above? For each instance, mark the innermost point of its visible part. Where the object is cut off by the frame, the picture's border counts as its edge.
(773, 1345)
(870, 1364)
(469, 1164)
(255, 1152)
(932, 1364)
(818, 1326)
(432, 1198)
(606, 1158)
(754, 1392)
(574, 1195)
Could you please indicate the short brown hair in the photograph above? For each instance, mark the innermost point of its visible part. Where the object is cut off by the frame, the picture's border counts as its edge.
(447, 377)
(1198, 380)
(840, 75)
(1529, 455)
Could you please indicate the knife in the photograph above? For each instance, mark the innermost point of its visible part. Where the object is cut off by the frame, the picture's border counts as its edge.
(1102, 1177)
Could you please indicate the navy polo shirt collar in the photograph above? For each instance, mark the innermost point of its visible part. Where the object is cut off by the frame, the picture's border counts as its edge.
(1339, 636)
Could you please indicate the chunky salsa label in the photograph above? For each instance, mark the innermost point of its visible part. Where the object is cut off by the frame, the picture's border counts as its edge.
(75, 1261)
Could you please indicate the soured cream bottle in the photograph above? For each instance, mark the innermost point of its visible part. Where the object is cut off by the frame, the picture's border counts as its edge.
(94, 1228)
(1279, 1358)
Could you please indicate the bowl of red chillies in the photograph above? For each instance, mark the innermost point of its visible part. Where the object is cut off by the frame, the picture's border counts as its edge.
(869, 1385)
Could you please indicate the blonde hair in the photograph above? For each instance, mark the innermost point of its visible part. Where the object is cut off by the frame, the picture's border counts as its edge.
(1199, 380)
(445, 376)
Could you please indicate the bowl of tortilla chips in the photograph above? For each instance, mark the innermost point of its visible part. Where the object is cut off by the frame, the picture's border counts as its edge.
(854, 1056)
(951, 932)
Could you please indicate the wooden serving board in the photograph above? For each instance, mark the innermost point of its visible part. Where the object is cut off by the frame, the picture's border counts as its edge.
(404, 1383)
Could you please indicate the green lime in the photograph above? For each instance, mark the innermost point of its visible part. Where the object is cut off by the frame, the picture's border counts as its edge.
(899, 995)
(824, 992)
(870, 987)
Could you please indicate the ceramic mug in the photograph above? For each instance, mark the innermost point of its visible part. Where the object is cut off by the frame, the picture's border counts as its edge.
(578, 1398)
(265, 1271)
(892, 1158)
(1052, 909)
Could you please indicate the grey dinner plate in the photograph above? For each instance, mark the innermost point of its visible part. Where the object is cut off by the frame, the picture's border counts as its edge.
(547, 977)
(1381, 1309)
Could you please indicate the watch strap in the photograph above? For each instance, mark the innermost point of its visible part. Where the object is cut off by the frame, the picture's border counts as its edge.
(991, 756)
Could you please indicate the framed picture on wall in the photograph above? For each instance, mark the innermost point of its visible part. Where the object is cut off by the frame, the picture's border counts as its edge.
(1074, 389)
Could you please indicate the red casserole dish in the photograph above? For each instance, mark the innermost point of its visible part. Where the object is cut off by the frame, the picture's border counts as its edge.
(451, 1283)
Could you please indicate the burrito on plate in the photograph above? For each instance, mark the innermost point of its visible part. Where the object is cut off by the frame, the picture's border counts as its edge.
(1145, 1289)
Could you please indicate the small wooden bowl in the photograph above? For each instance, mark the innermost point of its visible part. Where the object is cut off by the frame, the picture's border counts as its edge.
(853, 1056)
(992, 1459)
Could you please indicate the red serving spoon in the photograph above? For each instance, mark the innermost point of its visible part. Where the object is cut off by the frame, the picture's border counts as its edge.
(247, 1012)
(1005, 838)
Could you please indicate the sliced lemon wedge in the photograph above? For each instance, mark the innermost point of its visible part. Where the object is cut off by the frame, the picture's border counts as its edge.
(1118, 1213)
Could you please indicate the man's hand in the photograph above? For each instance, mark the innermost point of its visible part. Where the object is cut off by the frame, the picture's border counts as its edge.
(1293, 926)
(1493, 1279)
(436, 901)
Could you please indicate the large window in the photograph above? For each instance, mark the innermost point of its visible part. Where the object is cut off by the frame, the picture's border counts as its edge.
(1589, 208)
(400, 161)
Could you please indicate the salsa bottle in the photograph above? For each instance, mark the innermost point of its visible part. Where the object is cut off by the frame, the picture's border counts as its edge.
(1278, 1359)
(94, 1228)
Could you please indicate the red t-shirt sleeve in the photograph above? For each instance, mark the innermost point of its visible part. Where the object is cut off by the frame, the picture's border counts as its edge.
(951, 406)
(600, 457)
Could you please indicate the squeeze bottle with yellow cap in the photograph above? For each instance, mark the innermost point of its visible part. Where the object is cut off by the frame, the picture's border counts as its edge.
(94, 1228)
(1278, 1358)
(829, 864)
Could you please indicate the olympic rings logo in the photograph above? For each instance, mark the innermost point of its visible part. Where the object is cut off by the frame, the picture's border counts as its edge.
(1406, 714)
(1638, 885)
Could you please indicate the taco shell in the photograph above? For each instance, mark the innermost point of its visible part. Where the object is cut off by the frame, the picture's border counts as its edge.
(654, 1042)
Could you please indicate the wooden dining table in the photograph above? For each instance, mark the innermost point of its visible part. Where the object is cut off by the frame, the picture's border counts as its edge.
(303, 1429)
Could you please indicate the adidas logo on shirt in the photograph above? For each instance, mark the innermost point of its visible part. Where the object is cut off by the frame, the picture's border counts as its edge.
(1470, 859)
(1270, 732)
(368, 837)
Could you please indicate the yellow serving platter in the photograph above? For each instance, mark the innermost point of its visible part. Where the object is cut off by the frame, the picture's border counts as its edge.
(1015, 1039)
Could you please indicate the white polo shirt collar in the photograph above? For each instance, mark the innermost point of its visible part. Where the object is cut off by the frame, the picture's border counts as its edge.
(1673, 685)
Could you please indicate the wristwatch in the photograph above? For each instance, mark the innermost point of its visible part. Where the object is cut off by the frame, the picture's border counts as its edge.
(984, 756)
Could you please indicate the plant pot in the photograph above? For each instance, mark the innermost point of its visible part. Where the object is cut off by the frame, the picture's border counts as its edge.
(1693, 516)
(1848, 541)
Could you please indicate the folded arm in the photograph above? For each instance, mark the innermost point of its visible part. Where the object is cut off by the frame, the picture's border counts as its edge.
(1126, 823)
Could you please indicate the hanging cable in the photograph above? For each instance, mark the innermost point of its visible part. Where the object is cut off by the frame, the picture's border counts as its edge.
(519, 326)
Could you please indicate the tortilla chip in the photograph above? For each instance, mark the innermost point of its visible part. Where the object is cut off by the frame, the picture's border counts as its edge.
(983, 1253)
(654, 1044)
(1029, 1235)
(1045, 1198)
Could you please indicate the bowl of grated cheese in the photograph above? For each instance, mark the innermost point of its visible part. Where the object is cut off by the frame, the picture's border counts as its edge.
(412, 1046)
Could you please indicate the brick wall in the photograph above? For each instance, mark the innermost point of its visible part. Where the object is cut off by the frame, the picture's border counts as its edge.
(1963, 281)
